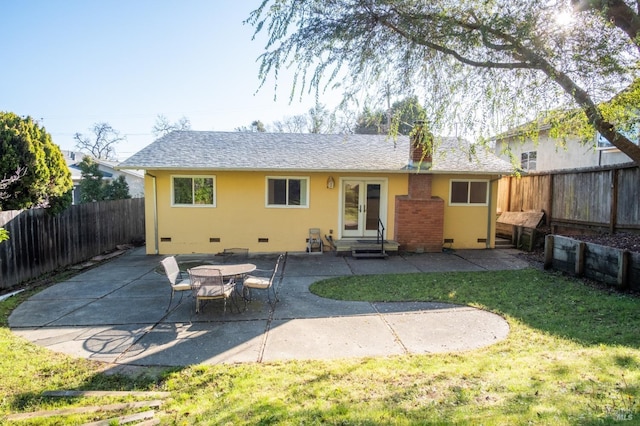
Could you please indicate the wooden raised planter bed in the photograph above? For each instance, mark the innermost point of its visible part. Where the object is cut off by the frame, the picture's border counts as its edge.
(600, 263)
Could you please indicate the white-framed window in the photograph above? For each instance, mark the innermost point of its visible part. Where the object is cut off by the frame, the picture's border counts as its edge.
(528, 160)
(287, 191)
(193, 191)
(469, 192)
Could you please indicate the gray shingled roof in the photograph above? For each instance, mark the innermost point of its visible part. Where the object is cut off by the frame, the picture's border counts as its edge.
(197, 150)
(455, 156)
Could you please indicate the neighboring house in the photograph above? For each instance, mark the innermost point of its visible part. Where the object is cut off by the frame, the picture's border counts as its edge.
(210, 191)
(546, 153)
(135, 178)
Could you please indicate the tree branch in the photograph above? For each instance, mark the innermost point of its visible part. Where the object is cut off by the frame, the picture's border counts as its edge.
(617, 12)
(451, 52)
(594, 116)
(532, 61)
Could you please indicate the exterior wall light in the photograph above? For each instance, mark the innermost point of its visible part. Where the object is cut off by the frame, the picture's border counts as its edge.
(330, 182)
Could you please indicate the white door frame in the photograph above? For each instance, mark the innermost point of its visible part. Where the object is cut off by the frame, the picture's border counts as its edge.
(363, 181)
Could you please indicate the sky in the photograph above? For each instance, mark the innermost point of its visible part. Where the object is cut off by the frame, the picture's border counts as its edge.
(72, 63)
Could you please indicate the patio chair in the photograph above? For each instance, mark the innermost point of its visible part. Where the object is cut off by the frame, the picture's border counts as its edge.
(314, 242)
(265, 282)
(208, 284)
(177, 279)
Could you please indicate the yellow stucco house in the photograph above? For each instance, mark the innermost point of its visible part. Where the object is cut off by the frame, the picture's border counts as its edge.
(209, 191)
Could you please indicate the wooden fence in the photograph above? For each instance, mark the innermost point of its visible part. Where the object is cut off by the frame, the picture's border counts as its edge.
(41, 243)
(605, 199)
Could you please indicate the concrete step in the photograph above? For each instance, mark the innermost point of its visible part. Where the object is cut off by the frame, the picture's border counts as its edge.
(503, 243)
(369, 254)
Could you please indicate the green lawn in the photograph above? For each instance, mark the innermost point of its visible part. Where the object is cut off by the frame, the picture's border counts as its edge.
(572, 358)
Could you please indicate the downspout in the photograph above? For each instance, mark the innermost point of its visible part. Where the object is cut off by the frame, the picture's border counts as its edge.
(489, 216)
(155, 214)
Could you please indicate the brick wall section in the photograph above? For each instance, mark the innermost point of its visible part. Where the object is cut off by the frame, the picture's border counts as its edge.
(419, 224)
(418, 155)
(419, 221)
(420, 186)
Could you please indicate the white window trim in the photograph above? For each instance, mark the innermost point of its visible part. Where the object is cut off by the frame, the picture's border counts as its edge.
(468, 204)
(528, 153)
(215, 191)
(602, 144)
(286, 206)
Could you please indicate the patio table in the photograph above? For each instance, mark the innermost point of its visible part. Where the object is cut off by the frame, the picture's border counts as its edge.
(232, 270)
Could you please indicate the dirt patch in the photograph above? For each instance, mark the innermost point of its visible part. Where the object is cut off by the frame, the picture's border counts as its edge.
(624, 241)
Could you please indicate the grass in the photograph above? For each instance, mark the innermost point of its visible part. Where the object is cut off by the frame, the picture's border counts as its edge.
(572, 358)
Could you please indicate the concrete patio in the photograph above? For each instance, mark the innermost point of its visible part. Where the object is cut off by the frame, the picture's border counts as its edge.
(115, 313)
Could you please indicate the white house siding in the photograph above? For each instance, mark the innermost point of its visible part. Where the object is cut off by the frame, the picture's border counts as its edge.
(552, 156)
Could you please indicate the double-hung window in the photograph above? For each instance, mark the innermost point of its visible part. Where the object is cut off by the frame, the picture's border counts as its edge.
(469, 193)
(287, 192)
(528, 160)
(193, 191)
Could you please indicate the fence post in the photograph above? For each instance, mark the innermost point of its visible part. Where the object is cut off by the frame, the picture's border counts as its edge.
(623, 268)
(548, 251)
(580, 259)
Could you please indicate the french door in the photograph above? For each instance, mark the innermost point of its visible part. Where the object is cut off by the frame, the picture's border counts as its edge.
(363, 203)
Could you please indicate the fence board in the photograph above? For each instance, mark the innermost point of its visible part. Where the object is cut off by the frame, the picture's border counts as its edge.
(41, 243)
(577, 198)
(585, 197)
(628, 214)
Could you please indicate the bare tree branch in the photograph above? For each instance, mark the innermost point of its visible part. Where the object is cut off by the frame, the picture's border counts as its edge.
(6, 182)
(102, 144)
(163, 126)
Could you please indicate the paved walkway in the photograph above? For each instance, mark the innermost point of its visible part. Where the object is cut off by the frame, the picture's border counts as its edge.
(115, 313)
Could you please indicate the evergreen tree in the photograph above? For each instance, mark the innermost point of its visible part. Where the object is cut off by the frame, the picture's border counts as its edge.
(91, 183)
(45, 180)
(118, 189)
(93, 187)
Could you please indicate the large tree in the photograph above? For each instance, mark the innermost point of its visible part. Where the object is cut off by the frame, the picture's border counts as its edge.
(32, 167)
(256, 126)
(397, 118)
(93, 186)
(319, 119)
(291, 124)
(102, 143)
(481, 64)
(163, 126)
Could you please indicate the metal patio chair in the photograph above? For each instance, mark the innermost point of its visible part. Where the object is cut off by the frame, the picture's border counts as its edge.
(178, 280)
(265, 282)
(208, 284)
(314, 242)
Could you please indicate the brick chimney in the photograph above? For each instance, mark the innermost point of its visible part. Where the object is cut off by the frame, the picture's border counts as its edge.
(419, 218)
(421, 148)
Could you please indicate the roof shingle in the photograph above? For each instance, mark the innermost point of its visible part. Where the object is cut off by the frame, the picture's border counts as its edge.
(208, 150)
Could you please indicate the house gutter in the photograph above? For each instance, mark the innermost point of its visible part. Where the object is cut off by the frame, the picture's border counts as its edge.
(155, 214)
